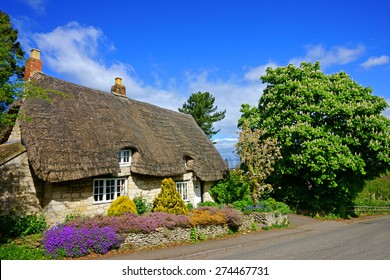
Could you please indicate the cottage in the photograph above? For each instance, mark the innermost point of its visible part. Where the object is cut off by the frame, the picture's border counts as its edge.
(78, 152)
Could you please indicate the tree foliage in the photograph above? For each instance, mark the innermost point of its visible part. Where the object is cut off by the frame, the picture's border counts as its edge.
(232, 188)
(200, 106)
(169, 199)
(332, 133)
(258, 155)
(11, 57)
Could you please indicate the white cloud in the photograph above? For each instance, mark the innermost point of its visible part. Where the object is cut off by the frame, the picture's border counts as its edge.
(255, 73)
(73, 51)
(37, 5)
(375, 61)
(386, 113)
(336, 55)
(229, 95)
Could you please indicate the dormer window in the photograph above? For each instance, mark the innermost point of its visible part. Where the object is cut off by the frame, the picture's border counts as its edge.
(124, 157)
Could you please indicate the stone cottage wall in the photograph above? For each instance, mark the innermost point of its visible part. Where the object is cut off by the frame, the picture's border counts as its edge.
(206, 191)
(69, 198)
(76, 197)
(149, 186)
(18, 191)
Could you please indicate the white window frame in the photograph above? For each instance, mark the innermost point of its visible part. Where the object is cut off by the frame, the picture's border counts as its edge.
(182, 189)
(108, 189)
(124, 157)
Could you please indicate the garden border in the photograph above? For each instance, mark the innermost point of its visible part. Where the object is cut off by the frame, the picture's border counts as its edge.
(164, 236)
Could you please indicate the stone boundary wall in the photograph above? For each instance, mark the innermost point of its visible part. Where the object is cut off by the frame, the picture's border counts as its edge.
(164, 236)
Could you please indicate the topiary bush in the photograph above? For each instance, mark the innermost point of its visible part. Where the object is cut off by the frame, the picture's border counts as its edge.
(121, 205)
(169, 200)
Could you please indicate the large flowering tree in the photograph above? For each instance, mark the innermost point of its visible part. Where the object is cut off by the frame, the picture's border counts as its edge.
(258, 155)
(332, 132)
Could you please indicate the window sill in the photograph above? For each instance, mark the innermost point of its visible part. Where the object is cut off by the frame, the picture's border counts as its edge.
(102, 202)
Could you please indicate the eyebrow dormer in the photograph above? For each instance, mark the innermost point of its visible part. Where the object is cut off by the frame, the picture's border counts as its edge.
(124, 157)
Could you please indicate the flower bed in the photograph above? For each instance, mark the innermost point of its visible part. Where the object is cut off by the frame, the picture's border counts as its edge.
(82, 235)
(69, 241)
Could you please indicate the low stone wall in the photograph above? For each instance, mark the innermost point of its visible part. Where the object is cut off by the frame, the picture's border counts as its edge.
(164, 236)
(264, 219)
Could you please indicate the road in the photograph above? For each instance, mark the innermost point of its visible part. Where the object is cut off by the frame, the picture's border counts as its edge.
(305, 239)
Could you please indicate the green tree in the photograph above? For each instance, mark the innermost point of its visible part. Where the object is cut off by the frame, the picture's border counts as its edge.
(258, 155)
(11, 73)
(230, 189)
(200, 105)
(332, 133)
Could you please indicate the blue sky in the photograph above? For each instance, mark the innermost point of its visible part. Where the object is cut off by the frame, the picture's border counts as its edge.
(166, 50)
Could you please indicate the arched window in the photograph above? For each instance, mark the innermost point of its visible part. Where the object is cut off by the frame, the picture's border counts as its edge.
(124, 157)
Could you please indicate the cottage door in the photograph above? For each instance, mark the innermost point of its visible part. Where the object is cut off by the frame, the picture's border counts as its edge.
(198, 193)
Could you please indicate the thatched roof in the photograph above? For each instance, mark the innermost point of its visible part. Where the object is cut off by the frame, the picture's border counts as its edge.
(79, 135)
(10, 151)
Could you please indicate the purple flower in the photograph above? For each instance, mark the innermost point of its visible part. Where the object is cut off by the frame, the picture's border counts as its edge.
(70, 241)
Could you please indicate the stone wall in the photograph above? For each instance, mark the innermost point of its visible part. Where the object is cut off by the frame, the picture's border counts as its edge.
(69, 198)
(164, 236)
(264, 219)
(19, 190)
(76, 197)
(149, 186)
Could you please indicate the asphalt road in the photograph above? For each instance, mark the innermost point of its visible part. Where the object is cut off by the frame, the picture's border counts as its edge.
(306, 239)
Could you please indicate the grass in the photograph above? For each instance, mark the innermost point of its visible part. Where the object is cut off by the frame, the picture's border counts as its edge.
(375, 193)
(25, 248)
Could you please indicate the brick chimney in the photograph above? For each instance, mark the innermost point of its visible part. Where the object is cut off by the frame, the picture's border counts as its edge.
(33, 64)
(118, 88)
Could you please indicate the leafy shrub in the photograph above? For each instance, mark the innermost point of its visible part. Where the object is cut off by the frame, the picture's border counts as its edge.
(71, 217)
(268, 205)
(190, 206)
(169, 200)
(230, 189)
(243, 204)
(201, 217)
(233, 217)
(142, 205)
(208, 203)
(121, 205)
(216, 216)
(13, 225)
(66, 241)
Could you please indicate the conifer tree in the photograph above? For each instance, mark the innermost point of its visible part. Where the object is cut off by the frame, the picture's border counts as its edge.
(169, 200)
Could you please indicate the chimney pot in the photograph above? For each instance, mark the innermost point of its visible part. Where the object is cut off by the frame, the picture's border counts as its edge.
(118, 88)
(35, 54)
(33, 64)
(118, 81)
